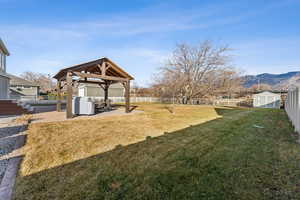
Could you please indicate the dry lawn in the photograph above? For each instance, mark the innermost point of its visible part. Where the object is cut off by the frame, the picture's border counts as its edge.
(226, 158)
(57, 143)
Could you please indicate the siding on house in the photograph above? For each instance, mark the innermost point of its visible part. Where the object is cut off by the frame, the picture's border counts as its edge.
(28, 92)
(22, 89)
(4, 79)
(4, 87)
(93, 90)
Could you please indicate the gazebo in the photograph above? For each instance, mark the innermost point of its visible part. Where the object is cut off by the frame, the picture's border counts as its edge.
(102, 71)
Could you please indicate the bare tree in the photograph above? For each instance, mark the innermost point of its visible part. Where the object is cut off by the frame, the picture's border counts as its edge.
(260, 87)
(43, 80)
(195, 71)
(230, 82)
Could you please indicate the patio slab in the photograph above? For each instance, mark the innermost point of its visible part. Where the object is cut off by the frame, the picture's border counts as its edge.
(55, 116)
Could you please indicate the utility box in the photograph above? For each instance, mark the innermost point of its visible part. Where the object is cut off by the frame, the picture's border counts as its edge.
(83, 106)
(267, 100)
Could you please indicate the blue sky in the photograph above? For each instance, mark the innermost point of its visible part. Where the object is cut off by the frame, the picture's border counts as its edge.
(45, 36)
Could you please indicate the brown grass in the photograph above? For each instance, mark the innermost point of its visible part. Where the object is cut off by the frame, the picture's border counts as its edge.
(24, 118)
(57, 143)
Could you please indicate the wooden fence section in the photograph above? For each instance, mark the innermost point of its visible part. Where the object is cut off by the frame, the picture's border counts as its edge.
(292, 107)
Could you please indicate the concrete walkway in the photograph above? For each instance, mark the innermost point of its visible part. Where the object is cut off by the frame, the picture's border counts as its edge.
(11, 139)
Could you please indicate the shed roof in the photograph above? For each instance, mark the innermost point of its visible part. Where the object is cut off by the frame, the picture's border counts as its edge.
(15, 80)
(3, 48)
(92, 67)
(267, 93)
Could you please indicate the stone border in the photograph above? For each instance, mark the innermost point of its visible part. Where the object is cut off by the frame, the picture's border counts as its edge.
(9, 178)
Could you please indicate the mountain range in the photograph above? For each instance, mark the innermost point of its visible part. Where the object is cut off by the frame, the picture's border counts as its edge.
(276, 81)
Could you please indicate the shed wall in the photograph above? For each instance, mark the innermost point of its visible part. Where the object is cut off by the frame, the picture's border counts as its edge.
(4, 87)
(97, 91)
(267, 101)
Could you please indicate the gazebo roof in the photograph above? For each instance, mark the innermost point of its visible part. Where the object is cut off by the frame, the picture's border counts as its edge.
(92, 67)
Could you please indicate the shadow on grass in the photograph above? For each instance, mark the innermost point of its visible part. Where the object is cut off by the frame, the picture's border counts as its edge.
(132, 107)
(212, 160)
(225, 110)
(11, 139)
(10, 131)
(9, 136)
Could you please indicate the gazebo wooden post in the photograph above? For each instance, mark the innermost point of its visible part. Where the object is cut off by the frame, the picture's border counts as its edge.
(127, 96)
(69, 95)
(106, 86)
(58, 104)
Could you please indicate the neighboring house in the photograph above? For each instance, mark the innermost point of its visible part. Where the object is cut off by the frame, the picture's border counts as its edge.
(4, 79)
(267, 100)
(22, 89)
(94, 90)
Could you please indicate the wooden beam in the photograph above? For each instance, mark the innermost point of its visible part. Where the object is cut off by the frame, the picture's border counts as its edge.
(127, 96)
(62, 84)
(102, 86)
(103, 69)
(92, 82)
(58, 104)
(85, 78)
(63, 78)
(111, 78)
(69, 95)
(111, 73)
(117, 69)
(78, 67)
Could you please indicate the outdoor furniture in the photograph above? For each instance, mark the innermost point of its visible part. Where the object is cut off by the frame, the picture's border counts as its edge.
(102, 106)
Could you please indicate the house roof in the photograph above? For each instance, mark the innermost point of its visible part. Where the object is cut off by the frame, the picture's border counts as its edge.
(92, 67)
(15, 80)
(3, 48)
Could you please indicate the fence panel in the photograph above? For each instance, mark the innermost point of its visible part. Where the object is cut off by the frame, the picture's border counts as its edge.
(132, 99)
(292, 107)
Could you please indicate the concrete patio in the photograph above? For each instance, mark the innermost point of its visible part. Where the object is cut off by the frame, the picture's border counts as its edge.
(55, 116)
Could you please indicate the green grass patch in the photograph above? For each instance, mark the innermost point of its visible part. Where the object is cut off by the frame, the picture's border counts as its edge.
(227, 158)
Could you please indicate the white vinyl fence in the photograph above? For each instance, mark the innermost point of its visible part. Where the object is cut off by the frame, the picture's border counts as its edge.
(132, 99)
(292, 107)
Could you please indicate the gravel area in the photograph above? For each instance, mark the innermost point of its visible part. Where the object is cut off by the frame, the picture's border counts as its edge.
(8, 137)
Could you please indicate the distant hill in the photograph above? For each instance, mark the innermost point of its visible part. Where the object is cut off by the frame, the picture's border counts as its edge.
(276, 81)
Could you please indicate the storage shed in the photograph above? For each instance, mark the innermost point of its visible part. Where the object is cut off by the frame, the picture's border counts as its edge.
(94, 90)
(267, 100)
